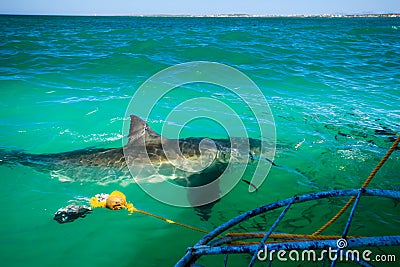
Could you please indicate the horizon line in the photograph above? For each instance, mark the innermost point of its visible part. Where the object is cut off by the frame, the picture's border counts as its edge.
(243, 15)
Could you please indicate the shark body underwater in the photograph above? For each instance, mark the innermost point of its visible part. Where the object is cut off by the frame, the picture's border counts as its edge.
(188, 162)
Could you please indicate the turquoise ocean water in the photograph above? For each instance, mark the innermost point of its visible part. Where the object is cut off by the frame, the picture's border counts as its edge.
(331, 83)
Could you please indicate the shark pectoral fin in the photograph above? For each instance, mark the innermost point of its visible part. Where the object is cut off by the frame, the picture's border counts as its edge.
(141, 133)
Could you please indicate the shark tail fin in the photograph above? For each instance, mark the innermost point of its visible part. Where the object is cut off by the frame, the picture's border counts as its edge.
(19, 157)
(11, 157)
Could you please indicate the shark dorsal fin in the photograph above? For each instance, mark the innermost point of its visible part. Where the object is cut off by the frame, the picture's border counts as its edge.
(140, 130)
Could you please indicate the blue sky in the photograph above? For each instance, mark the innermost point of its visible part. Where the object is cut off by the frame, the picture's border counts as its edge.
(195, 7)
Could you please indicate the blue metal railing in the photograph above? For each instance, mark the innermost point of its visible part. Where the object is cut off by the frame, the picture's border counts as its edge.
(210, 244)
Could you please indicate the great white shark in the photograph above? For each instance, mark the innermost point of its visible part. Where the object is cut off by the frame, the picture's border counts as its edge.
(188, 162)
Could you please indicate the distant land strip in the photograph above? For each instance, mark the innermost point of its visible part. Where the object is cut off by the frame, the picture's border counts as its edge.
(390, 15)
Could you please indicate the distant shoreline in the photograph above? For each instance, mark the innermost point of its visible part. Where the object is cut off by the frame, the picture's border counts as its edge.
(386, 15)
